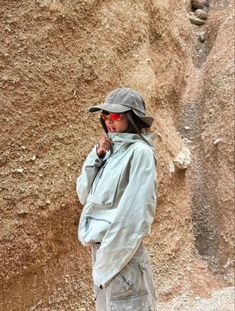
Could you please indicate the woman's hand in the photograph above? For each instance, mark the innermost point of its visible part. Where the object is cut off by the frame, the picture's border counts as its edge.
(104, 145)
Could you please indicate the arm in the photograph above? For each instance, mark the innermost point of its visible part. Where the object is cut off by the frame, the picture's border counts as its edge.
(133, 219)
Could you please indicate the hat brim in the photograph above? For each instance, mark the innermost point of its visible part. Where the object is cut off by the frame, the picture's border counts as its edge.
(120, 109)
(109, 107)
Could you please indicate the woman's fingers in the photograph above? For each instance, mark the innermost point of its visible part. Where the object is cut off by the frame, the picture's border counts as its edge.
(105, 144)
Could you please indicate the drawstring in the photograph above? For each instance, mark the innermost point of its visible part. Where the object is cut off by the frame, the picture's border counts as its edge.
(95, 247)
(100, 287)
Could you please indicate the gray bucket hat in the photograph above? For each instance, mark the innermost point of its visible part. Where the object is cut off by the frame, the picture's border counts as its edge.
(124, 99)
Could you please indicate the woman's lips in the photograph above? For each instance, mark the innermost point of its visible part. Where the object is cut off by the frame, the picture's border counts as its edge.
(112, 130)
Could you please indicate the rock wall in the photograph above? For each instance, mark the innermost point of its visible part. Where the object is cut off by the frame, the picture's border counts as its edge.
(207, 109)
(59, 57)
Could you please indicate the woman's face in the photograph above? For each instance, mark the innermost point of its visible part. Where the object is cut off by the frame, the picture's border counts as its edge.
(117, 126)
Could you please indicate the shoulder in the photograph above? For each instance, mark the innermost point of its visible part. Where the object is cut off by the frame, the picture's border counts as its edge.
(142, 148)
(142, 154)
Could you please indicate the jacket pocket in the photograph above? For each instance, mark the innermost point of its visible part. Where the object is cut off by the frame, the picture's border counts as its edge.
(138, 302)
(127, 283)
(105, 186)
(122, 282)
(94, 223)
(95, 228)
(96, 219)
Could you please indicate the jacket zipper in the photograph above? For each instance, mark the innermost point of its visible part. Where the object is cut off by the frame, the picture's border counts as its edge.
(98, 293)
(98, 176)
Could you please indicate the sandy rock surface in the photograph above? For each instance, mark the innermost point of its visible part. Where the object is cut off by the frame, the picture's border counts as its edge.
(57, 58)
(220, 300)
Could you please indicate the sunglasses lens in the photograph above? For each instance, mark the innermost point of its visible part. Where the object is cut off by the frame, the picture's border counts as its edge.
(115, 116)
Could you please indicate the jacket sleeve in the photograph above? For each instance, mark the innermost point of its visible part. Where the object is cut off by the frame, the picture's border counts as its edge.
(89, 171)
(133, 219)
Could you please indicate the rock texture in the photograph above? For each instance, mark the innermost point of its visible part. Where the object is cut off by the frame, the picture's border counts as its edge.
(59, 57)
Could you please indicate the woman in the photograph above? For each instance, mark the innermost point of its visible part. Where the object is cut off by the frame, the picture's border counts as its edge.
(118, 190)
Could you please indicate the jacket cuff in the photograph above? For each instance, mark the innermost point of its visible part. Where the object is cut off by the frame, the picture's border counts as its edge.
(98, 160)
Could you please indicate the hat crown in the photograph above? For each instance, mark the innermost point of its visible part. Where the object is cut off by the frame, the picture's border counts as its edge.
(127, 97)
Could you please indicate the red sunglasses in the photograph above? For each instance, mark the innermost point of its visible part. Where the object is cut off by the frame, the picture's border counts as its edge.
(113, 116)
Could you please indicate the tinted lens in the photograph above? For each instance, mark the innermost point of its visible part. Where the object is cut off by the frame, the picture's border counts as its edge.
(115, 116)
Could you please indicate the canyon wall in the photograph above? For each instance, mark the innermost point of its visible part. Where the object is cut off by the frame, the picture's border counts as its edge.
(58, 58)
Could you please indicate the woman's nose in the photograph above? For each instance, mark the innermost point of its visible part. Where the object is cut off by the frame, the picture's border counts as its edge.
(109, 120)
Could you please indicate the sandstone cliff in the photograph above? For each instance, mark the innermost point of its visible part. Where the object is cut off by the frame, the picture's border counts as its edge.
(59, 57)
